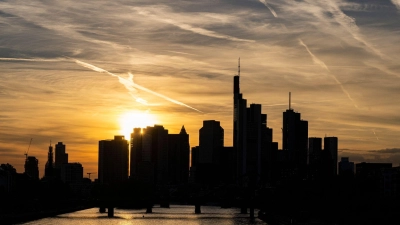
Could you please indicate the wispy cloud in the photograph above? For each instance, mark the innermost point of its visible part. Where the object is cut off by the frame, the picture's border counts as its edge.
(396, 3)
(269, 7)
(323, 65)
(188, 27)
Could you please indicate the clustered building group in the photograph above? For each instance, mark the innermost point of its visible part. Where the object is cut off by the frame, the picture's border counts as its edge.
(152, 155)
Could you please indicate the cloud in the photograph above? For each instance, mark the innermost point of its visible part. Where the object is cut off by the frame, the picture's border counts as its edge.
(269, 7)
(396, 3)
(188, 27)
(323, 65)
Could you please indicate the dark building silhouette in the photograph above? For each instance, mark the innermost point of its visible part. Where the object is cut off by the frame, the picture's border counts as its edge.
(331, 149)
(346, 168)
(71, 172)
(371, 178)
(32, 167)
(7, 178)
(113, 161)
(250, 136)
(60, 156)
(178, 157)
(295, 139)
(49, 167)
(207, 156)
(314, 157)
(158, 157)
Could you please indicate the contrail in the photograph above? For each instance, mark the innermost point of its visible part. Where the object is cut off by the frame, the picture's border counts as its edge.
(270, 8)
(323, 65)
(33, 59)
(188, 27)
(130, 85)
(314, 58)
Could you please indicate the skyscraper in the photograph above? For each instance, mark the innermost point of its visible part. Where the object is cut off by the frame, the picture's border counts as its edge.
(32, 167)
(211, 140)
(49, 167)
(251, 137)
(113, 161)
(159, 157)
(60, 156)
(211, 143)
(331, 147)
(295, 139)
(178, 157)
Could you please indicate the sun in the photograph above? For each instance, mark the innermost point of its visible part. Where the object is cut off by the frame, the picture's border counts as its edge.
(135, 119)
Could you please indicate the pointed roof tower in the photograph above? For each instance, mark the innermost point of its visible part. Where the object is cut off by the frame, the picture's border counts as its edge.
(183, 130)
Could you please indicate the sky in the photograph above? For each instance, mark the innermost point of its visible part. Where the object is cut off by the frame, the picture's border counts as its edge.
(82, 71)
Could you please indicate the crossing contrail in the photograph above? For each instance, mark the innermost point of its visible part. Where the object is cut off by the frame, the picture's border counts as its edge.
(132, 86)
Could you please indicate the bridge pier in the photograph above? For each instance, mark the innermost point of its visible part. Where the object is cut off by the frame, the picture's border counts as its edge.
(252, 212)
(243, 210)
(110, 212)
(102, 209)
(197, 209)
(149, 209)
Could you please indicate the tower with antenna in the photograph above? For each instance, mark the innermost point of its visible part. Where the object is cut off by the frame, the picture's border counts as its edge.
(295, 138)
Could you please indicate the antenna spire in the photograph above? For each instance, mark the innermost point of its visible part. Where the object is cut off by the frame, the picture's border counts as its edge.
(239, 67)
(290, 100)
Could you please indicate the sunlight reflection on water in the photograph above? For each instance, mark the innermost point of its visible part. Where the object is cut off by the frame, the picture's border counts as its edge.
(175, 215)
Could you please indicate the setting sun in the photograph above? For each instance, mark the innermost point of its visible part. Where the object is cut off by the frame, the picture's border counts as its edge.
(135, 119)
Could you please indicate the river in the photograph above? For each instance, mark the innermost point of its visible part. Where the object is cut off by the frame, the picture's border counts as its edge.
(175, 215)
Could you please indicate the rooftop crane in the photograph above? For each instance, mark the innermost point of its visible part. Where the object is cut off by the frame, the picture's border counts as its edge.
(90, 173)
(26, 153)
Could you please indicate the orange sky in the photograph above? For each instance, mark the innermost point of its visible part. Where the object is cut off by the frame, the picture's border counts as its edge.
(70, 70)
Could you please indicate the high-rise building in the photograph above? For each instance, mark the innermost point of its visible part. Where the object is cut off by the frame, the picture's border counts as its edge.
(295, 138)
(314, 150)
(113, 161)
(211, 140)
(208, 162)
(49, 167)
(159, 157)
(250, 136)
(32, 167)
(331, 147)
(60, 156)
(178, 157)
(314, 158)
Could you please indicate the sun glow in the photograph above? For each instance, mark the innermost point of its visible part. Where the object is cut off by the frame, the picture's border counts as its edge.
(135, 119)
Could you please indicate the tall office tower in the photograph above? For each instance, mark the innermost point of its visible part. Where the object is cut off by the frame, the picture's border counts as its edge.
(250, 136)
(314, 158)
(71, 172)
(295, 138)
(178, 157)
(136, 151)
(314, 150)
(49, 167)
(211, 142)
(32, 167)
(60, 156)
(331, 147)
(113, 161)
(239, 127)
(149, 154)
